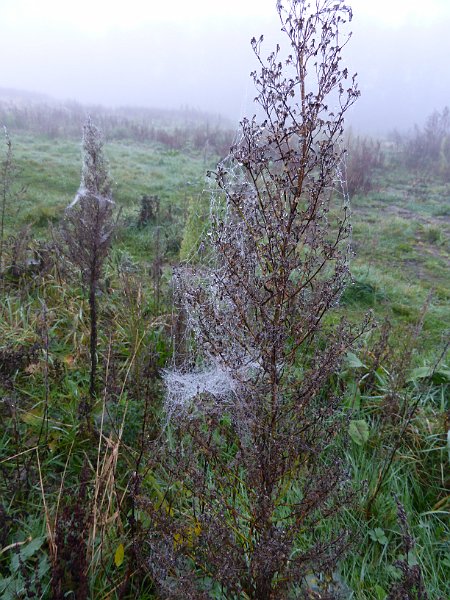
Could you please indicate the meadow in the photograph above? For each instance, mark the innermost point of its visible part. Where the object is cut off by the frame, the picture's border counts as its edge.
(76, 490)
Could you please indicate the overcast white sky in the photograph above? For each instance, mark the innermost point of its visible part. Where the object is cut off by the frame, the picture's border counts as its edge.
(98, 17)
(197, 52)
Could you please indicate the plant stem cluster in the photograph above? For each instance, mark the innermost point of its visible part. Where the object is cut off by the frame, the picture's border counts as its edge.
(256, 416)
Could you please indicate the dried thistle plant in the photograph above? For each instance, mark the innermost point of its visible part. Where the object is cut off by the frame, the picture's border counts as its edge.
(88, 227)
(7, 173)
(411, 585)
(70, 564)
(256, 476)
(10, 193)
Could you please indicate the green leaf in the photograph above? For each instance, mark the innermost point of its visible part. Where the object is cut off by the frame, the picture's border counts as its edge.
(5, 582)
(30, 549)
(353, 362)
(446, 561)
(378, 535)
(119, 555)
(8, 588)
(73, 388)
(441, 375)
(353, 396)
(44, 566)
(15, 563)
(359, 432)
(380, 592)
(393, 572)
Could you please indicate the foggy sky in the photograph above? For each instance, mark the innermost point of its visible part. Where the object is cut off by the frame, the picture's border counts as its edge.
(197, 53)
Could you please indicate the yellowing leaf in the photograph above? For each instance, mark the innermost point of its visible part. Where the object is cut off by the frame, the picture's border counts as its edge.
(69, 360)
(197, 528)
(177, 540)
(53, 442)
(119, 555)
(32, 417)
(186, 538)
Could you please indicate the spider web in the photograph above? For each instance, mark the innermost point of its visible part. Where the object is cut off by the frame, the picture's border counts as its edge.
(207, 385)
(204, 383)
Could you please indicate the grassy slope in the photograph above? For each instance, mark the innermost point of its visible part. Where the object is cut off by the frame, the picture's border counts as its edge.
(401, 239)
(401, 231)
(50, 170)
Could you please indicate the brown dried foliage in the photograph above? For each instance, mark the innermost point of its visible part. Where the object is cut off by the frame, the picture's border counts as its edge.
(364, 156)
(410, 586)
(428, 149)
(253, 473)
(70, 567)
(16, 358)
(88, 227)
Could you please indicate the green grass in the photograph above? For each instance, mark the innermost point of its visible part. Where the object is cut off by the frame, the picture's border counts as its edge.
(401, 246)
(401, 240)
(417, 478)
(402, 253)
(50, 172)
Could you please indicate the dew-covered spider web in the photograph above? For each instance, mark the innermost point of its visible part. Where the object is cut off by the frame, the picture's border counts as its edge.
(200, 379)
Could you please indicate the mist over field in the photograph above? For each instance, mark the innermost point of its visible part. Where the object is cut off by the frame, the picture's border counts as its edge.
(198, 54)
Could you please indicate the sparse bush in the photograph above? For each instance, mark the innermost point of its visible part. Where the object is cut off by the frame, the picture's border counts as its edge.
(149, 211)
(16, 251)
(176, 129)
(87, 230)
(433, 234)
(236, 491)
(411, 586)
(70, 566)
(254, 477)
(27, 261)
(9, 193)
(14, 359)
(7, 174)
(428, 149)
(364, 156)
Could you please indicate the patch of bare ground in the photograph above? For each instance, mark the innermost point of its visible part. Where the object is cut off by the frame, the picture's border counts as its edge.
(433, 250)
(410, 215)
(415, 266)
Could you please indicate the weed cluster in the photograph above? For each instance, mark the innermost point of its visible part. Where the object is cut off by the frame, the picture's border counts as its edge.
(427, 150)
(364, 157)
